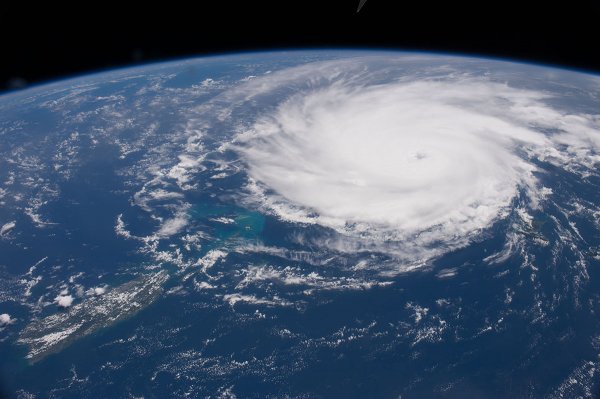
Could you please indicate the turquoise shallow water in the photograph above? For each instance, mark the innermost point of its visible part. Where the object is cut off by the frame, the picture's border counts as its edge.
(238, 224)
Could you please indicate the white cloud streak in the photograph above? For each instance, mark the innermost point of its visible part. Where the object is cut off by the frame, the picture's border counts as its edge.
(7, 227)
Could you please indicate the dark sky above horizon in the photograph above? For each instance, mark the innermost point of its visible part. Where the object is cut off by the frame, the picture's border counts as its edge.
(44, 42)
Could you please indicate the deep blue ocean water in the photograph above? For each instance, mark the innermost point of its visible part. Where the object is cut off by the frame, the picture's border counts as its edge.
(280, 314)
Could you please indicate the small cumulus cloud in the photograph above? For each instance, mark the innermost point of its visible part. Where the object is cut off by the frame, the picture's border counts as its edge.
(97, 291)
(203, 285)
(64, 301)
(5, 319)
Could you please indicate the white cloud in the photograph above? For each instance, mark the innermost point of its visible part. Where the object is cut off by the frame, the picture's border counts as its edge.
(173, 226)
(203, 285)
(447, 273)
(209, 82)
(5, 319)
(223, 220)
(183, 171)
(79, 291)
(211, 257)
(120, 228)
(7, 227)
(289, 276)
(418, 311)
(29, 284)
(96, 291)
(232, 299)
(64, 301)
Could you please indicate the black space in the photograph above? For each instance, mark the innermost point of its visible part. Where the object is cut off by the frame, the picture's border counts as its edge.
(41, 42)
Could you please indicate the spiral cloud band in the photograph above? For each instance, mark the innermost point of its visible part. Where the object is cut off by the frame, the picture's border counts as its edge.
(428, 158)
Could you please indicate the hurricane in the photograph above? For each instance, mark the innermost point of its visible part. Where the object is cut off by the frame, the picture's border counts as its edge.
(408, 164)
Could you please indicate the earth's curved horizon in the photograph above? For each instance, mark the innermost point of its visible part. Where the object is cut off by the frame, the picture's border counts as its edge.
(305, 223)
